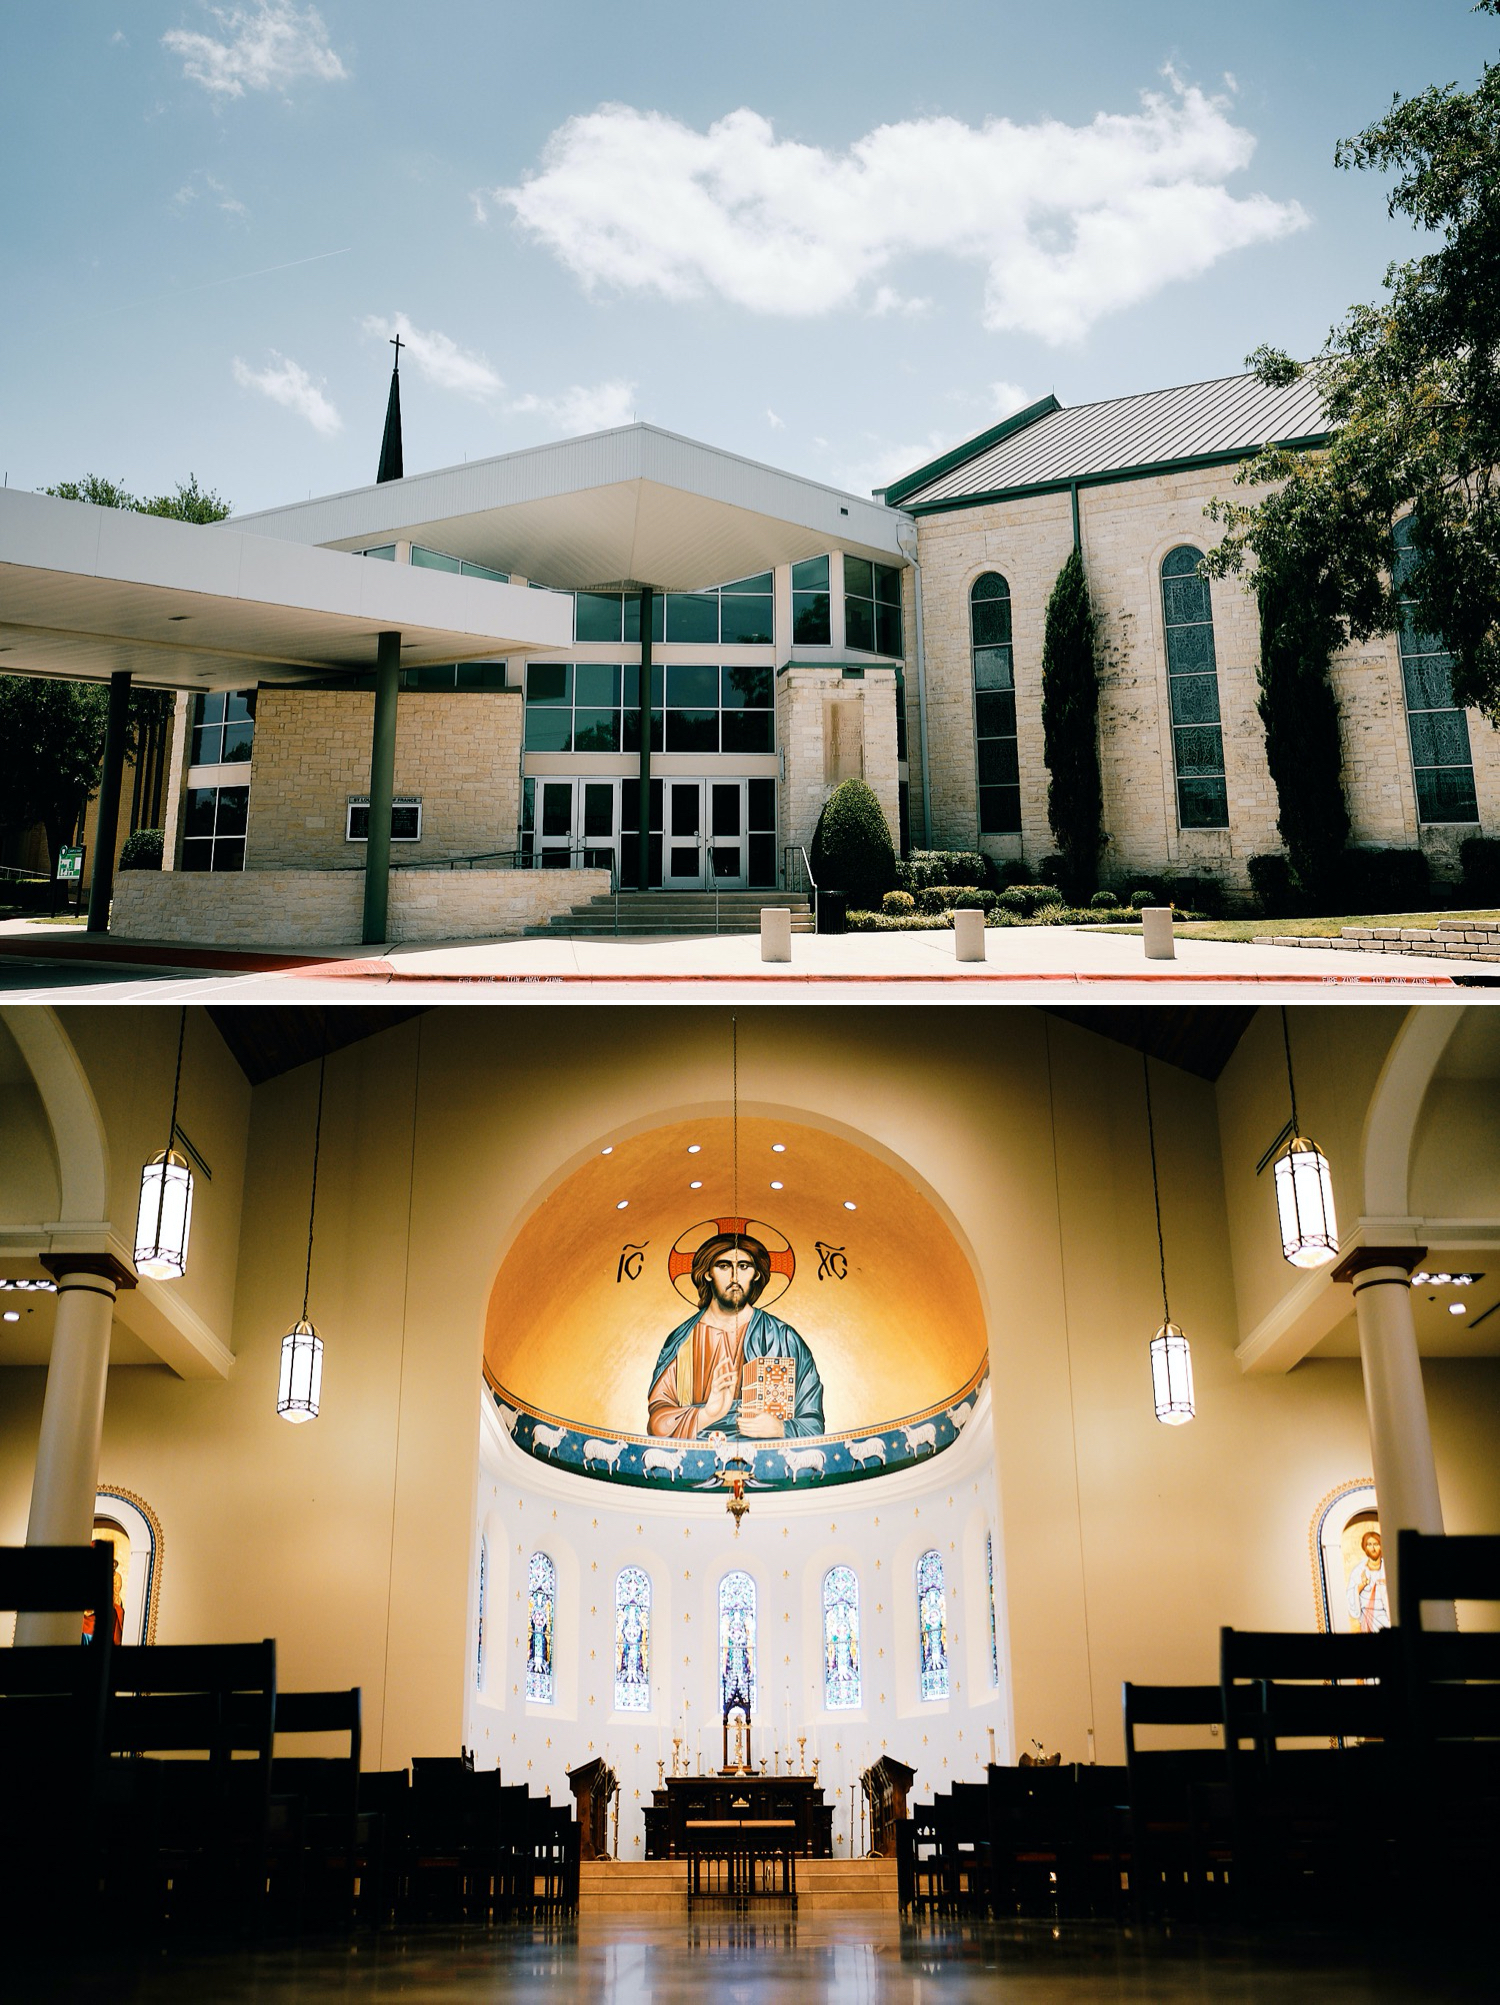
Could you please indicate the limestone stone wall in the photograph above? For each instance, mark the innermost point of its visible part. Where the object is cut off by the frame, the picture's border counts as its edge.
(324, 908)
(1127, 528)
(817, 710)
(459, 751)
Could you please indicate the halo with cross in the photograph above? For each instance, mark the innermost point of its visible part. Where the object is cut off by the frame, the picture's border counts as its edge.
(783, 1260)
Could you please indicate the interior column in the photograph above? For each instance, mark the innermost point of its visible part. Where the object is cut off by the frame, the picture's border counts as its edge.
(382, 787)
(1406, 1488)
(643, 821)
(67, 1455)
(107, 825)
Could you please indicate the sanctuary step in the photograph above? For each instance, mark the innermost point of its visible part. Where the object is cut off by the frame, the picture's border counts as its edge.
(659, 1886)
(1450, 939)
(686, 914)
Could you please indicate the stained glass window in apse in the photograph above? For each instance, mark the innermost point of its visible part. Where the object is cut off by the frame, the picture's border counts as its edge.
(632, 1641)
(989, 1581)
(484, 1579)
(541, 1678)
(840, 1638)
(932, 1619)
(736, 1638)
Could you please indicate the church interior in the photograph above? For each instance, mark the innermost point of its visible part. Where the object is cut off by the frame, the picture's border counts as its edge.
(707, 1476)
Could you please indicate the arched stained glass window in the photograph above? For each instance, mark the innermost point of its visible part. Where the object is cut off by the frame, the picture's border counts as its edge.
(989, 1581)
(841, 1685)
(541, 1674)
(632, 1641)
(1193, 692)
(1442, 763)
(994, 706)
(932, 1621)
(737, 1640)
(484, 1584)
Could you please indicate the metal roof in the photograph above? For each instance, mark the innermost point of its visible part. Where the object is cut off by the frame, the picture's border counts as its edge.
(636, 505)
(85, 591)
(1222, 419)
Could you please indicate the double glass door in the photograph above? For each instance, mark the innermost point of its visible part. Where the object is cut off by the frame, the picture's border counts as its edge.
(574, 822)
(704, 838)
(703, 832)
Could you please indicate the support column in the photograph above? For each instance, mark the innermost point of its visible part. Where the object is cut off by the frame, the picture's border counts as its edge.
(382, 786)
(107, 825)
(67, 1454)
(1406, 1488)
(643, 814)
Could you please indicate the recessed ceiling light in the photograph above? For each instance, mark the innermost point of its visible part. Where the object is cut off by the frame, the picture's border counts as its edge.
(850, 1205)
(778, 1148)
(776, 1184)
(12, 1315)
(696, 1184)
(624, 1201)
(1458, 1308)
(694, 1147)
(609, 1151)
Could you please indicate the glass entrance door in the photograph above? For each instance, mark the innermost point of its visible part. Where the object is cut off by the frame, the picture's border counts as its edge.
(684, 836)
(554, 823)
(726, 824)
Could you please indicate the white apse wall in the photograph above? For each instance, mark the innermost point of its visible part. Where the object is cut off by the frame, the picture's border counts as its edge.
(879, 1526)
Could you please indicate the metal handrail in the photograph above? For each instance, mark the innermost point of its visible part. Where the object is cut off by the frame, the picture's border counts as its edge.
(796, 849)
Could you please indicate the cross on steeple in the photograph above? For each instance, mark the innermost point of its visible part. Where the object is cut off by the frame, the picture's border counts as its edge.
(390, 445)
(397, 344)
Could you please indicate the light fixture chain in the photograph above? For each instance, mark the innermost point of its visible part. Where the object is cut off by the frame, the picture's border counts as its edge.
(312, 1208)
(734, 1082)
(161, 1192)
(1286, 1038)
(1161, 1250)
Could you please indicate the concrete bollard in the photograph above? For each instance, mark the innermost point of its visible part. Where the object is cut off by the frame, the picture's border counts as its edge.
(968, 936)
(775, 933)
(1156, 928)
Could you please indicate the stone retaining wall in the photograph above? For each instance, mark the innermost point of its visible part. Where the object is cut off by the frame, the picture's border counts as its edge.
(1457, 939)
(323, 908)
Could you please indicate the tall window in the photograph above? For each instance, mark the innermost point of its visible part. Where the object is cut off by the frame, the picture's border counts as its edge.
(994, 706)
(632, 1641)
(223, 727)
(484, 1581)
(872, 607)
(932, 1622)
(810, 617)
(541, 1671)
(1442, 764)
(840, 1638)
(1193, 692)
(989, 1581)
(213, 828)
(736, 1638)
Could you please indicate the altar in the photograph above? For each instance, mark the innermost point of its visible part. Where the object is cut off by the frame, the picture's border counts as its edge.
(784, 1811)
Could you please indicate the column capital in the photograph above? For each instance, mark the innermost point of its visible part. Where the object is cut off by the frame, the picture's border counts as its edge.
(1355, 1262)
(103, 1264)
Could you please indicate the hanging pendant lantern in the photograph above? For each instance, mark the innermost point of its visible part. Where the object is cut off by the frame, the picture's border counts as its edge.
(1304, 1189)
(1171, 1354)
(164, 1216)
(301, 1372)
(1172, 1376)
(301, 1383)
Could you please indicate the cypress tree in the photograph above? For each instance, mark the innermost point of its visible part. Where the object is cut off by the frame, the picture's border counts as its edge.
(1070, 736)
(1298, 633)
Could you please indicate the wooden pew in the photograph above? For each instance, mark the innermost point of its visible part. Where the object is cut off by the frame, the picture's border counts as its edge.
(1180, 1854)
(317, 1846)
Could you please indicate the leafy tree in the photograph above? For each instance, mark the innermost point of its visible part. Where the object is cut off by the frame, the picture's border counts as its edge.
(1299, 630)
(1411, 385)
(1070, 735)
(52, 732)
(852, 850)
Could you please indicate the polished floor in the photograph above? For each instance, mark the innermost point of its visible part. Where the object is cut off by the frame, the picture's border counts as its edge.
(831, 1959)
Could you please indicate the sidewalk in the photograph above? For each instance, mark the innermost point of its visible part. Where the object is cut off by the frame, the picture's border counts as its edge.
(1019, 956)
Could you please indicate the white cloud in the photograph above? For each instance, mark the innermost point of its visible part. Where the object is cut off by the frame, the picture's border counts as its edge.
(1004, 398)
(286, 382)
(1069, 223)
(776, 424)
(200, 183)
(597, 407)
(439, 358)
(264, 46)
(887, 301)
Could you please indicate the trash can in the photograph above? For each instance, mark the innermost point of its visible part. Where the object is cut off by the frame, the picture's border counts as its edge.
(832, 907)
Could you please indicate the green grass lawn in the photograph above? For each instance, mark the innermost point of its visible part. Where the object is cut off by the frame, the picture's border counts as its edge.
(1253, 929)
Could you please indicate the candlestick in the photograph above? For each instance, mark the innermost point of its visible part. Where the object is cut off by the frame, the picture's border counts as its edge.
(660, 1778)
(992, 1744)
(802, 1754)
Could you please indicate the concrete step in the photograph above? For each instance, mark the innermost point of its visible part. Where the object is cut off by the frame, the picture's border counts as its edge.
(671, 914)
(659, 1886)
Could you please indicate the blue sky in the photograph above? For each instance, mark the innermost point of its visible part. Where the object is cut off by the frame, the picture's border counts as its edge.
(834, 238)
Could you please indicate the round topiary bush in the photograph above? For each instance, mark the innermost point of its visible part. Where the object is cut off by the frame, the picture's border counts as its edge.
(965, 898)
(1014, 901)
(852, 850)
(1103, 901)
(1139, 900)
(896, 904)
(142, 849)
(1044, 895)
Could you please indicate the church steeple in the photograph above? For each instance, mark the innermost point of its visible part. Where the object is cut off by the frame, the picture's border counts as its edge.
(390, 445)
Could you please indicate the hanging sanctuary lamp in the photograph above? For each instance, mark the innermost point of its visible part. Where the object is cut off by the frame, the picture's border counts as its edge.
(1171, 1355)
(165, 1214)
(1304, 1189)
(301, 1381)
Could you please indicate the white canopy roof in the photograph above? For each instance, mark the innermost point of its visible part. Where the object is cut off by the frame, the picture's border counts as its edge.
(631, 506)
(86, 591)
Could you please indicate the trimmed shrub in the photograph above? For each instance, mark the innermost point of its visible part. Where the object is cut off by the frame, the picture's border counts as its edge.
(1015, 870)
(1070, 727)
(1271, 881)
(143, 849)
(1050, 869)
(1480, 855)
(1139, 900)
(896, 903)
(1385, 880)
(881, 922)
(925, 868)
(851, 846)
(1204, 894)
(968, 899)
(1104, 901)
(1014, 900)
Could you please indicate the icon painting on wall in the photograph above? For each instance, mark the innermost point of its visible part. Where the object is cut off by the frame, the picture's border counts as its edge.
(867, 1354)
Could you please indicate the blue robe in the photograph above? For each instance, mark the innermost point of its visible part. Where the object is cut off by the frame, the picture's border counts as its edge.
(766, 1336)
